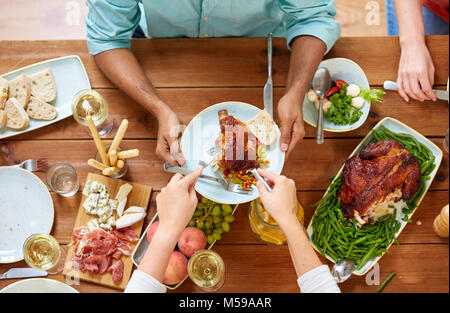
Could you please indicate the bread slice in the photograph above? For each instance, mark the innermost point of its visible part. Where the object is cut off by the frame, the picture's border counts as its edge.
(3, 118)
(43, 85)
(3, 92)
(40, 110)
(263, 127)
(20, 89)
(17, 117)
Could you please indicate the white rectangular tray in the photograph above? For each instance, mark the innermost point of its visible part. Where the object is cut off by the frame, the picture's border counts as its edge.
(70, 77)
(396, 127)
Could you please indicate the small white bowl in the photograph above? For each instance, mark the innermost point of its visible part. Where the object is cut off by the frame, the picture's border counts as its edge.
(349, 71)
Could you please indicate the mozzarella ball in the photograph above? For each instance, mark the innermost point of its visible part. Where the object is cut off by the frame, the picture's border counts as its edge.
(312, 96)
(353, 90)
(358, 102)
(326, 105)
(316, 103)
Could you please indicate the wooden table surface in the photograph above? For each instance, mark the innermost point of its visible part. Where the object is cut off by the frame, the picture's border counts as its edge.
(192, 74)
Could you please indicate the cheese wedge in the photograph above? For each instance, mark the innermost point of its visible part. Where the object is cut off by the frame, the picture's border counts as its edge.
(17, 117)
(121, 196)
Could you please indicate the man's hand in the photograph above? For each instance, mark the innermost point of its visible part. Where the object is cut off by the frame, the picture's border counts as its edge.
(122, 68)
(291, 122)
(169, 130)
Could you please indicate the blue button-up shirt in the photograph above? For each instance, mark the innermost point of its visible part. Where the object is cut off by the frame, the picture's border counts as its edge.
(111, 23)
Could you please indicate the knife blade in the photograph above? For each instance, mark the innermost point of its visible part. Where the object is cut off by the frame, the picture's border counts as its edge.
(268, 87)
(440, 94)
(24, 272)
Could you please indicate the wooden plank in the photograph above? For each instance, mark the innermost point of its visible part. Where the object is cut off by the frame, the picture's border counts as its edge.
(188, 102)
(139, 196)
(224, 62)
(261, 268)
(309, 167)
(355, 18)
(413, 233)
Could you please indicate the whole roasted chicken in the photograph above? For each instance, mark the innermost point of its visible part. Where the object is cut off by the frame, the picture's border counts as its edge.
(239, 145)
(382, 173)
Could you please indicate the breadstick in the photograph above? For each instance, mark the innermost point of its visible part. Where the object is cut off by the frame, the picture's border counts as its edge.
(112, 157)
(97, 140)
(120, 163)
(128, 154)
(96, 164)
(119, 136)
(110, 170)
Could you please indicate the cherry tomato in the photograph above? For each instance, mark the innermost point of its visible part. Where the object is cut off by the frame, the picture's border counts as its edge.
(340, 82)
(332, 91)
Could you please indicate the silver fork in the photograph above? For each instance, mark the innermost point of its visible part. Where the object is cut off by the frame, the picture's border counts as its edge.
(34, 165)
(227, 184)
(209, 156)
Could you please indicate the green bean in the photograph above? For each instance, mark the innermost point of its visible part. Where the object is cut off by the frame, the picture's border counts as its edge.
(383, 284)
(366, 258)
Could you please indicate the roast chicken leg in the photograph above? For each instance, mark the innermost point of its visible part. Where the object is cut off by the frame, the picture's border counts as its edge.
(239, 145)
(383, 171)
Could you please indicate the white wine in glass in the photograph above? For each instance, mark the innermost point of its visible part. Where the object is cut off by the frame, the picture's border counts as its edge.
(42, 251)
(207, 270)
(90, 102)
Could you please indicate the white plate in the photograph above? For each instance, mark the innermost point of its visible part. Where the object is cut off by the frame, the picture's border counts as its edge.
(396, 127)
(38, 285)
(26, 208)
(70, 77)
(345, 69)
(200, 136)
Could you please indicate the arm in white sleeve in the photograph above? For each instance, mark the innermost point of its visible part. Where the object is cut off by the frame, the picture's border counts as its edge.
(318, 280)
(141, 282)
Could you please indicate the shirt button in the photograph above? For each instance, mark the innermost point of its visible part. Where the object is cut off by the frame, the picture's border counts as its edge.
(205, 18)
(205, 35)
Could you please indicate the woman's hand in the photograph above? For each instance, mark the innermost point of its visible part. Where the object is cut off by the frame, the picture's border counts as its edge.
(169, 129)
(415, 77)
(176, 203)
(281, 203)
(291, 122)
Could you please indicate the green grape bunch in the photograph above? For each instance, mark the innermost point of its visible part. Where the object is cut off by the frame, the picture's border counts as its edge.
(212, 218)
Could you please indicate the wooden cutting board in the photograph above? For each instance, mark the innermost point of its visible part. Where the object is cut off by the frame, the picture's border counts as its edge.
(139, 196)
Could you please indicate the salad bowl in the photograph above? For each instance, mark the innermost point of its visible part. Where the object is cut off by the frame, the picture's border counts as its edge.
(350, 72)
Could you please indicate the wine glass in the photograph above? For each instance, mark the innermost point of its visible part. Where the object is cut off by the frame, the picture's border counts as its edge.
(43, 252)
(90, 102)
(207, 270)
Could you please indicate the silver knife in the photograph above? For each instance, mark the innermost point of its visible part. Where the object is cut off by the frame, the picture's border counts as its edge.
(23, 273)
(171, 168)
(268, 87)
(440, 94)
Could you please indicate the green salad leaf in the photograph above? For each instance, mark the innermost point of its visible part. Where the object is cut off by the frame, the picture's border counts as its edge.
(371, 95)
(341, 111)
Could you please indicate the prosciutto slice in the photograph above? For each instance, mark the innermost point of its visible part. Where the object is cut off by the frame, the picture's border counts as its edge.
(95, 250)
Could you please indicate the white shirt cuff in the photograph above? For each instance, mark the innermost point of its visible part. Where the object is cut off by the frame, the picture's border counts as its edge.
(141, 282)
(318, 280)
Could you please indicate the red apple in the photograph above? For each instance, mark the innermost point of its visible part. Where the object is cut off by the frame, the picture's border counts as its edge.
(191, 240)
(151, 231)
(177, 269)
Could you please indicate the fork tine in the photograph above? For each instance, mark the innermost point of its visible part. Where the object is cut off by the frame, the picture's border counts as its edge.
(42, 164)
